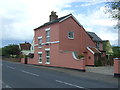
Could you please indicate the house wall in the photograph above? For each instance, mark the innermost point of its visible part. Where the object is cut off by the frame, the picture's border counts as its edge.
(66, 60)
(54, 36)
(101, 46)
(80, 42)
(22, 60)
(90, 59)
(81, 39)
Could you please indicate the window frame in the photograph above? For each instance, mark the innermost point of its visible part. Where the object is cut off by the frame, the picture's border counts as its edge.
(40, 57)
(69, 37)
(40, 42)
(47, 35)
(47, 56)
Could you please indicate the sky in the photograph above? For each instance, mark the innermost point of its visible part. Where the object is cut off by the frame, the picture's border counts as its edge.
(18, 18)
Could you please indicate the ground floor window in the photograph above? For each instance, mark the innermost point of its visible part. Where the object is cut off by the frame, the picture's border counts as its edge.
(40, 58)
(47, 57)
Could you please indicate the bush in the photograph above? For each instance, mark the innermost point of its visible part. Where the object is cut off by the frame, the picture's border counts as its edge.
(81, 56)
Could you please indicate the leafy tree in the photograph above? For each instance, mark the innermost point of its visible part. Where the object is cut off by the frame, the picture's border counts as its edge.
(113, 8)
(116, 51)
(11, 51)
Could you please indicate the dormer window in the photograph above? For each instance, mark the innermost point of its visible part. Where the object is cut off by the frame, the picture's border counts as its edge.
(71, 35)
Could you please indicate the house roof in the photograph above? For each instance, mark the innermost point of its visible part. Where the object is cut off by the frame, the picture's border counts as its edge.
(94, 37)
(93, 50)
(54, 21)
(25, 46)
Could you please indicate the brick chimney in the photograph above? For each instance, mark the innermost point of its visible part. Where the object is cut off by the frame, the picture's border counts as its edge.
(53, 16)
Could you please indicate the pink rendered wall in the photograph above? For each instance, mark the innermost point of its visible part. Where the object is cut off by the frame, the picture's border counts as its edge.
(117, 66)
(101, 46)
(54, 36)
(86, 41)
(90, 59)
(54, 33)
(31, 61)
(22, 60)
(81, 39)
(66, 60)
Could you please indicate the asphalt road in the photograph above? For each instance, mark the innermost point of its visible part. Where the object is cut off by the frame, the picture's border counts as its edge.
(16, 75)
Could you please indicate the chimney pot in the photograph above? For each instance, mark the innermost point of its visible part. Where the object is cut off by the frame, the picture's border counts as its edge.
(53, 16)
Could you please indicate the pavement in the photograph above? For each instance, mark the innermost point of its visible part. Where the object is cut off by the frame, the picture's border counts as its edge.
(107, 70)
(16, 75)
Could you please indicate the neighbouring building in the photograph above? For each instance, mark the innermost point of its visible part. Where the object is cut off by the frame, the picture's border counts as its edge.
(62, 42)
(25, 48)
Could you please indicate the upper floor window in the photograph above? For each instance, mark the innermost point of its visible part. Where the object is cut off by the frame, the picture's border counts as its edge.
(40, 41)
(71, 35)
(48, 35)
(97, 45)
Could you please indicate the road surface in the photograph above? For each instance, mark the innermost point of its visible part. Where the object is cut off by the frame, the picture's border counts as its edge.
(16, 75)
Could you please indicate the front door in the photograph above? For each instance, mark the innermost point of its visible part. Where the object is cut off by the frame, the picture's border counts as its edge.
(25, 60)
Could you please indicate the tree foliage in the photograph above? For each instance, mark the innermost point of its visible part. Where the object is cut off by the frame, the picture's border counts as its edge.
(11, 51)
(114, 9)
(116, 51)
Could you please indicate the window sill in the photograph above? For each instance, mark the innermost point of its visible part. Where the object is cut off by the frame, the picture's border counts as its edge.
(47, 63)
(71, 38)
(47, 43)
(40, 62)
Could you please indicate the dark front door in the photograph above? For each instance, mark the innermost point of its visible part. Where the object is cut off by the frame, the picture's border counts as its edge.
(26, 60)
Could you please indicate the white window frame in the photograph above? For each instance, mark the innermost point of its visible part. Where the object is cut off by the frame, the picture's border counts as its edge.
(47, 36)
(47, 49)
(40, 43)
(40, 53)
(70, 36)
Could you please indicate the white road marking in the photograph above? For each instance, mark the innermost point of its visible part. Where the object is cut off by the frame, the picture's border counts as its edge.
(69, 84)
(10, 67)
(30, 73)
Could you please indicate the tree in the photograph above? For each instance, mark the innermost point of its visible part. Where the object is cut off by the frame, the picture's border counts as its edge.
(116, 51)
(11, 51)
(114, 9)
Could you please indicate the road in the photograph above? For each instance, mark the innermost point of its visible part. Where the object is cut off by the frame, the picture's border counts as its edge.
(16, 75)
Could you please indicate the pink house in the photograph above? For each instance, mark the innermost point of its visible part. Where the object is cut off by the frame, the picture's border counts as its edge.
(62, 41)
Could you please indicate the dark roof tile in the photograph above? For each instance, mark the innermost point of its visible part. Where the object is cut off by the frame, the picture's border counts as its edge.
(94, 37)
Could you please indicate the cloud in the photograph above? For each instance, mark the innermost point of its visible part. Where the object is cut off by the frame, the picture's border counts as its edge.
(100, 23)
(18, 18)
